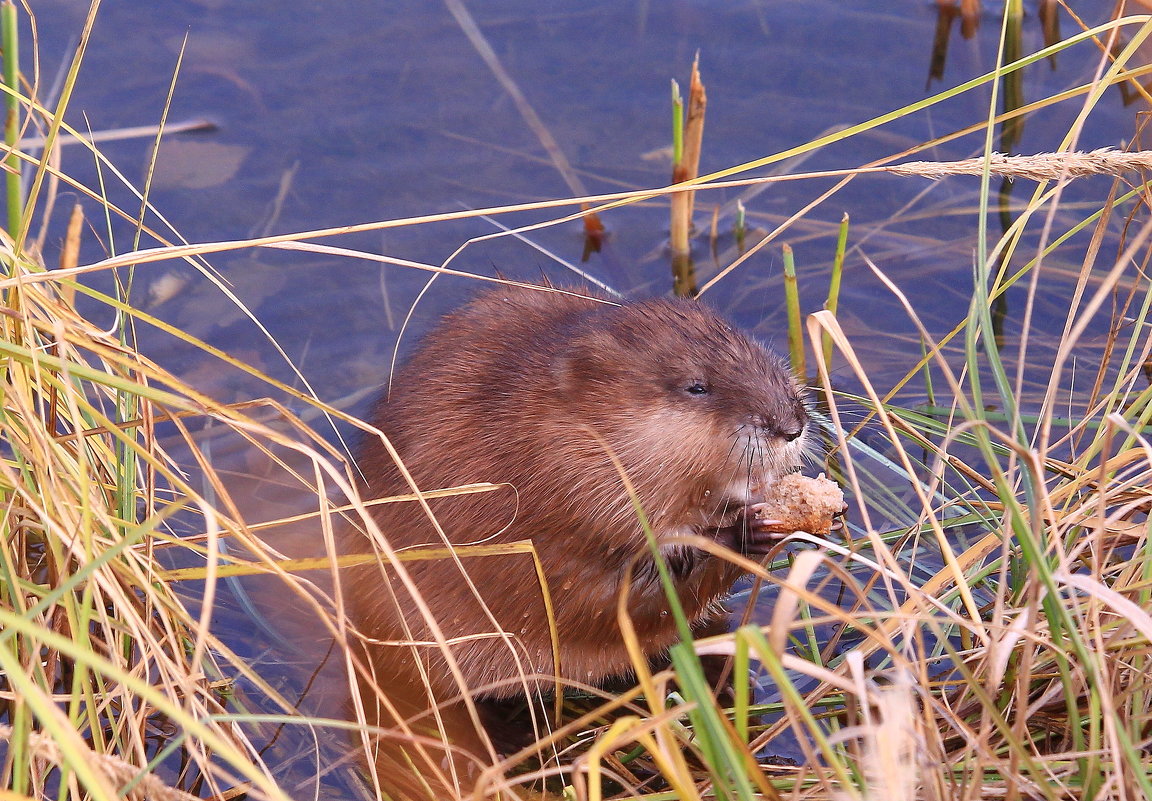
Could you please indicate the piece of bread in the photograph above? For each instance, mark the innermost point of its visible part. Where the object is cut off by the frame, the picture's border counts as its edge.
(800, 503)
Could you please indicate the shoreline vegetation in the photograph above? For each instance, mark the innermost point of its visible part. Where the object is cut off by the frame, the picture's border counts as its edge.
(995, 642)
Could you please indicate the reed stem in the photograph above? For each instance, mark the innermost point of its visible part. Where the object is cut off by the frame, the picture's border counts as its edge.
(792, 302)
(740, 225)
(10, 41)
(687, 140)
(833, 301)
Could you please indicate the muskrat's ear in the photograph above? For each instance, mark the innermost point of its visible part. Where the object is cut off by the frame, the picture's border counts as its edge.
(567, 371)
(585, 361)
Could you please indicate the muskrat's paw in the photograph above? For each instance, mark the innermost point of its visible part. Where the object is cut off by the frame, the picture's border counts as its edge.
(795, 503)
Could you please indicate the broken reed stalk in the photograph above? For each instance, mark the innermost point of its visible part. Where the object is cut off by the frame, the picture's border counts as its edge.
(792, 302)
(693, 133)
(70, 253)
(687, 140)
(9, 40)
(739, 227)
(123, 134)
(833, 301)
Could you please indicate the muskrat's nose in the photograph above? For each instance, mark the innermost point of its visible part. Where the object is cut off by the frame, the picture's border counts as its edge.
(787, 430)
(793, 433)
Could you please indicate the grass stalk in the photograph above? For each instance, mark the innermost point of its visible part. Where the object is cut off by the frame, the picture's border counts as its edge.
(929, 390)
(10, 41)
(833, 301)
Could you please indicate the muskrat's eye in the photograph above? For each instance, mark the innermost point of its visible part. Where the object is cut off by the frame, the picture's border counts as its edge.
(697, 388)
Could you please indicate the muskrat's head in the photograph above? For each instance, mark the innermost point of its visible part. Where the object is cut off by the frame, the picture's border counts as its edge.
(688, 403)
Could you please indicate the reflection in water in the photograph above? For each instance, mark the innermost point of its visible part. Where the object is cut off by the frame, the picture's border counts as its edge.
(946, 13)
(414, 737)
(404, 743)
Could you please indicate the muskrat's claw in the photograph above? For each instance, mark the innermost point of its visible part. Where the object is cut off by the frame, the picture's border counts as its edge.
(768, 523)
(748, 537)
(838, 519)
(762, 535)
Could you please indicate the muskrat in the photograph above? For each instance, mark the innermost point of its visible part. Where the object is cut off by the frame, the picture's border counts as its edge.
(539, 391)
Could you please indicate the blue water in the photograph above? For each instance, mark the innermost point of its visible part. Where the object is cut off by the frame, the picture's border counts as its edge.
(356, 112)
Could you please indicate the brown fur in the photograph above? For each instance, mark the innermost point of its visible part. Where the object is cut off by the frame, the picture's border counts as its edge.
(532, 389)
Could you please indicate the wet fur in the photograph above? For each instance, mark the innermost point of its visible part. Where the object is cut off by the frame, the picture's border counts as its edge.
(530, 389)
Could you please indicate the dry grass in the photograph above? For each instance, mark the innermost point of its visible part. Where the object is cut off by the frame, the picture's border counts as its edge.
(984, 633)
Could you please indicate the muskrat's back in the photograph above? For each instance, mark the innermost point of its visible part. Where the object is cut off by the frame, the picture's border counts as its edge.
(539, 391)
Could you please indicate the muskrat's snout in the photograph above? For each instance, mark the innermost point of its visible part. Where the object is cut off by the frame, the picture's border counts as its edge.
(788, 430)
(783, 420)
(769, 446)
